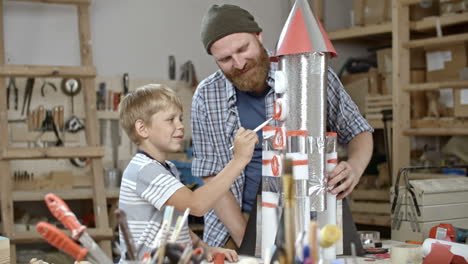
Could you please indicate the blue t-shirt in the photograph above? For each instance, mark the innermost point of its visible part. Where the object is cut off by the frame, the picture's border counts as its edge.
(252, 113)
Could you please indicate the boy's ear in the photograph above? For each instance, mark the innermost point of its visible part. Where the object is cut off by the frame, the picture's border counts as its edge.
(140, 128)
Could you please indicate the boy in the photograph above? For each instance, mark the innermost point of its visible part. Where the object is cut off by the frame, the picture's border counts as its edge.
(152, 118)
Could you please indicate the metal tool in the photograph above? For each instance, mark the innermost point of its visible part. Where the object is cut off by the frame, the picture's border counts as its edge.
(12, 86)
(71, 87)
(28, 91)
(123, 225)
(62, 212)
(49, 84)
(172, 73)
(125, 83)
(60, 240)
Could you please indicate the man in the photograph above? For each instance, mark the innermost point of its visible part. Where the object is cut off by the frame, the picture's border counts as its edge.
(241, 93)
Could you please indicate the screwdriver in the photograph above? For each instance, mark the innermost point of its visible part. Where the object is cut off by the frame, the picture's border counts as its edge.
(60, 240)
(62, 212)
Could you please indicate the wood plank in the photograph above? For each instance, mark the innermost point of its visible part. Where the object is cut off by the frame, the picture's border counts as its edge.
(66, 2)
(371, 219)
(51, 153)
(400, 78)
(410, 2)
(375, 123)
(74, 194)
(445, 20)
(31, 237)
(436, 132)
(370, 195)
(435, 85)
(91, 126)
(439, 123)
(108, 115)
(356, 32)
(47, 71)
(370, 207)
(5, 196)
(437, 41)
(379, 98)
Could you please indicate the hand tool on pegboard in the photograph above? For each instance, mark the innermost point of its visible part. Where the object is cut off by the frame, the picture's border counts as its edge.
(28, 91)
(62, 212)
(46, 84)
(12, 88)
(71, 87)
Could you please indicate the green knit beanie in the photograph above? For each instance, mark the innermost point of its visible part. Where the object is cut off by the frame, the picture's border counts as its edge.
(223, 20)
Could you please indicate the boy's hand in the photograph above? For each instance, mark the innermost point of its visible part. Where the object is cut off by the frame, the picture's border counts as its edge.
(244, 144)
(229, 254)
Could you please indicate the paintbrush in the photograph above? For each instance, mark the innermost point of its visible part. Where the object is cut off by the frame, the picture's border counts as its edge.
(313, 241)
(123, 225)
(179, 225)
(289, 230)
(258, 128)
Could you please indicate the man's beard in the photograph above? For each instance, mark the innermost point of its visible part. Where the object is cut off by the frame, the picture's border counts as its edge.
(255, 80)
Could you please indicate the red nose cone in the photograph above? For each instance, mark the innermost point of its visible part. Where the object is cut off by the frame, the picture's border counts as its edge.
(303, 33)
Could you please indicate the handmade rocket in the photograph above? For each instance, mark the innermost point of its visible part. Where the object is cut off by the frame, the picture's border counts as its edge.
(303, 51)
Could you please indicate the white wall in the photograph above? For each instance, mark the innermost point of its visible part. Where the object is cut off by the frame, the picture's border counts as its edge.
(128, 36)
(138, 36)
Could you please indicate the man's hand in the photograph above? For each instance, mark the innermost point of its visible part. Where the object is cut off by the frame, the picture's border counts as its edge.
(230, 254)
(344, 177)
(346, 174)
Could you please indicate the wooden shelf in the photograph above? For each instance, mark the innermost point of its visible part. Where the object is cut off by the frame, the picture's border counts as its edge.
(66, 2)
(440, 123)
(437, 41)
(446, 20)
(47, 71)
(360, 32)
(436, 132)
(372, 219)
(108, 115)
(435, 85)
(32, 236)
(73, 194)
(376, 123)
(51, 153)
(371, 195)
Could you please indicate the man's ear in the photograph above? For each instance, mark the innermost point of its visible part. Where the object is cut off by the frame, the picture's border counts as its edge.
(259, 36)
(141, 129)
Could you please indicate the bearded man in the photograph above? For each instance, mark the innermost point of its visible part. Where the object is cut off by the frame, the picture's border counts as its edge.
(241, 93)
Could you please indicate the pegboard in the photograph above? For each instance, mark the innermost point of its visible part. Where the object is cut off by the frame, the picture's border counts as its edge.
(126, 150)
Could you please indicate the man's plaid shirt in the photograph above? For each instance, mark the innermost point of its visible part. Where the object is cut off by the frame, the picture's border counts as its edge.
(215, 121)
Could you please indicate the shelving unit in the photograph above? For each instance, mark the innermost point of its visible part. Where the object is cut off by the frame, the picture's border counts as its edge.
(86, 72)
(403, 126)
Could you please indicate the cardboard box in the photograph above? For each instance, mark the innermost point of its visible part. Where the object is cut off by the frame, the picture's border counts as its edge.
(384, 60)
(444, 64)
(369, 12)
(453, 6)
(424, 9)
(373, 78)
(461, 97)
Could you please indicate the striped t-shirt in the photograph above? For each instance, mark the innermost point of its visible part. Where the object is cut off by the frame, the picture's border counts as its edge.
(146, 186)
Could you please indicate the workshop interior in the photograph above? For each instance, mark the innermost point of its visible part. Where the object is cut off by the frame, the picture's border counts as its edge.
(401, 68)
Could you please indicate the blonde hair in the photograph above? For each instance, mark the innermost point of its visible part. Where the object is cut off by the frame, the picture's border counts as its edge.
(143, 103)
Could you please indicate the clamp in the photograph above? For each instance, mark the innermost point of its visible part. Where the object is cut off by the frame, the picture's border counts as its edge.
(415, 211)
